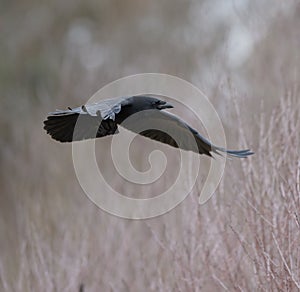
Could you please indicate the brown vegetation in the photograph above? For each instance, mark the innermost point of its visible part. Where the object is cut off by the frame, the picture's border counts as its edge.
(246, 238)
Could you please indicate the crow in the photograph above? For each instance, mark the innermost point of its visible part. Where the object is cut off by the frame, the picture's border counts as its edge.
(141, 114)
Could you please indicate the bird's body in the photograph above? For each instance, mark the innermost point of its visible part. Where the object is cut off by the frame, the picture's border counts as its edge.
(140, 114)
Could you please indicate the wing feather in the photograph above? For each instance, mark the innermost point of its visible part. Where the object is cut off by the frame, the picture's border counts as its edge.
(94, 120)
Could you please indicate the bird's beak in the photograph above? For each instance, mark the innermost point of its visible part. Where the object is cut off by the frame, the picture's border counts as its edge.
(164, 106)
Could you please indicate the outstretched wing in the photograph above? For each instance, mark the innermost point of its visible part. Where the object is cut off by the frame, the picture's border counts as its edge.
(89, 121)
(167, 128)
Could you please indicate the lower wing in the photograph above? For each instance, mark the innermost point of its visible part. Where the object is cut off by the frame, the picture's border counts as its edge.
(168, 129)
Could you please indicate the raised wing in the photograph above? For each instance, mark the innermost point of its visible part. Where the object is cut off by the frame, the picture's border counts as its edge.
(85, 122)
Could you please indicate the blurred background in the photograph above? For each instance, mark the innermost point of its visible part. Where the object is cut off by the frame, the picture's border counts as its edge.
(243, 54)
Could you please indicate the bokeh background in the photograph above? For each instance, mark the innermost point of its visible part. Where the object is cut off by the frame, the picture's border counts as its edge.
(243, 54)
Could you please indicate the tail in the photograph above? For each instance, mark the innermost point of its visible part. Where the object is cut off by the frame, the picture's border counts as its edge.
(232, 153)
(206, 147)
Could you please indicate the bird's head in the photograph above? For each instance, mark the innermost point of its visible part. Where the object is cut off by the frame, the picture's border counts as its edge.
(161, 104)
(151, 102)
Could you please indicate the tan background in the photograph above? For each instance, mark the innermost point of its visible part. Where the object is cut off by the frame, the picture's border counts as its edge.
(243, 54)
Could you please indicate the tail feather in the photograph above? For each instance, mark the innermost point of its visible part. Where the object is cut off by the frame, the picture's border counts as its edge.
(233, 153)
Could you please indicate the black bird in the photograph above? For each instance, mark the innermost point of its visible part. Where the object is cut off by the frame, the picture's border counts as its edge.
(145, 117)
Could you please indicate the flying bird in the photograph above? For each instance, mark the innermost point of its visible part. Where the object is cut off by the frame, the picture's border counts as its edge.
(142, 114)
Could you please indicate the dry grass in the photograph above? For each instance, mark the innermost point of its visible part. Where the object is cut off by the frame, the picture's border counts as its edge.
(246, 241)
(252, 243)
